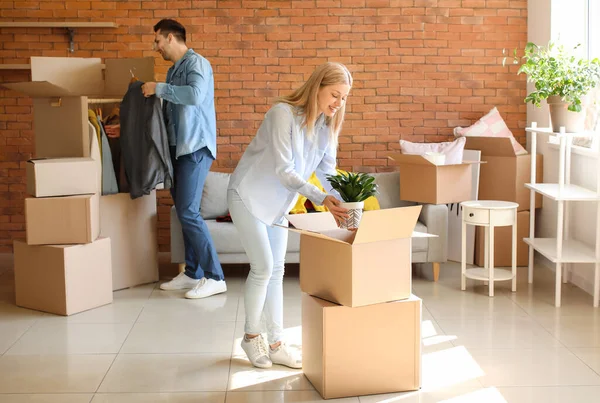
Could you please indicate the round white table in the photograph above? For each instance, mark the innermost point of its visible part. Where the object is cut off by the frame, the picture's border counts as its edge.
(489, 214)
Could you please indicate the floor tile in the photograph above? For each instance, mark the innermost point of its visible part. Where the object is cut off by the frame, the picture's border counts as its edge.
(556, 394)
(216, 308)
(72, 338)
(450, 394)
(573, 331)
(472, 305)
(11, 332)
(590, 356)
(519, 367)
(41, 398)
(53, 373)
(194, 336)
(244, 377)
(204, 397)
(117, 312)
(167, 373)
(302, 396)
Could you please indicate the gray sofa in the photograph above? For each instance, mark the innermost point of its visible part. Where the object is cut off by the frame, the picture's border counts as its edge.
(433, 220)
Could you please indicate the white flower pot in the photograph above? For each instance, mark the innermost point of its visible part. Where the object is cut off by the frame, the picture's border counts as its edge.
(355, 211)
(560, 115)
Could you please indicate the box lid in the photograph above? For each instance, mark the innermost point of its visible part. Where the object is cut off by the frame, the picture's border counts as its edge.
(416, 159)
(375, 225)
(491, 146)
(44, 161)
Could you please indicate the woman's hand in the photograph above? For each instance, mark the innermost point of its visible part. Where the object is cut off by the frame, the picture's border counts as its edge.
(113, 131)
(333, 205)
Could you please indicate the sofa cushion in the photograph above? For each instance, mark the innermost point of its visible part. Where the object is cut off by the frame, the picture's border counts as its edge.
(388, 184)
(420, 244)
(214, 196)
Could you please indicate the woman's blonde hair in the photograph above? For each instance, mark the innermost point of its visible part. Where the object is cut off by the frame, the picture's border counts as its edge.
(305, 97)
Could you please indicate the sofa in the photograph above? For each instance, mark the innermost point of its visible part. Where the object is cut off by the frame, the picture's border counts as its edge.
(433, 220)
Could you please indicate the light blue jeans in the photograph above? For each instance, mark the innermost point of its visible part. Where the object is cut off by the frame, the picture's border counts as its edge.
(266, 248)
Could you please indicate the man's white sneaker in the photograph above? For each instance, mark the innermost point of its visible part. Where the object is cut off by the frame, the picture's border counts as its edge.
(256, 350)
(181, 282)
(206, 287)
(282, 355)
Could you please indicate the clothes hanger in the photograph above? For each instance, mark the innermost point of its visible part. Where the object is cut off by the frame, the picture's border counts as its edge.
(133, 77)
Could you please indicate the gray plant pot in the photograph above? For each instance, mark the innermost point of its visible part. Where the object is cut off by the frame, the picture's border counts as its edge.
(560, 116)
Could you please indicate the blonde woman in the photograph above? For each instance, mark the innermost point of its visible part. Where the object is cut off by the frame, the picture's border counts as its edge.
(297, 137)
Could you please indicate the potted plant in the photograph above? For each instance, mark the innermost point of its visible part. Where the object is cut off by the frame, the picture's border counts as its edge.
(563, 80)
(354, 189)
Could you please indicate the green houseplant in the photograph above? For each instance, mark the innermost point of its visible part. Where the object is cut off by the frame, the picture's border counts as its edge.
(354, 189)
(562, 79)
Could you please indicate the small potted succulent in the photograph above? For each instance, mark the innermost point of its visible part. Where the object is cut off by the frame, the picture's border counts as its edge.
(563, 80)
(354, 189)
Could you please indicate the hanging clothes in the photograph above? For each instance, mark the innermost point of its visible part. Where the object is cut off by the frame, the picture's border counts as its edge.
(109, 181)
(93, 118)
(144, 143)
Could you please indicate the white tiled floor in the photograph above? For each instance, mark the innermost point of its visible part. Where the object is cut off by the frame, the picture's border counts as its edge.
(155, 346)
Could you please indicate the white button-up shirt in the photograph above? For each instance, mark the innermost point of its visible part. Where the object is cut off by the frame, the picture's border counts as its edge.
(278, 162)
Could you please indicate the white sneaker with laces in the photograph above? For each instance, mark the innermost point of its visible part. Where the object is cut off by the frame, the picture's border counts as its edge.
(206, 287)
(282, 355)
(181, 282)
(256, 350)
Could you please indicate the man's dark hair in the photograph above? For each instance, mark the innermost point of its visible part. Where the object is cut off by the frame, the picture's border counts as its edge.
(169, 26)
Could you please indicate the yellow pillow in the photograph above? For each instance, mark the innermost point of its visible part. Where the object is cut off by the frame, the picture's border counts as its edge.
(370, 204)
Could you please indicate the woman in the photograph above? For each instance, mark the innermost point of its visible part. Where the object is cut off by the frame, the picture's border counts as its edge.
(297, 137)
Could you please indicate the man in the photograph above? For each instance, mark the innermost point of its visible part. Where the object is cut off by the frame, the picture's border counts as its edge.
(189, 110)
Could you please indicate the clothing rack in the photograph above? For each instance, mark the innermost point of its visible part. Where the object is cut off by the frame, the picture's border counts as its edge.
(104, 100)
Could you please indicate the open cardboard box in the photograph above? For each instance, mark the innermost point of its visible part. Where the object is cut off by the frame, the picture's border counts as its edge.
(504, 175)
(422, 181)
(362, 267)
(361, 351)
(60, 87)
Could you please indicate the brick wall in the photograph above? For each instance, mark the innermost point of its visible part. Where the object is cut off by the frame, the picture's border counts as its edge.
(421, 67)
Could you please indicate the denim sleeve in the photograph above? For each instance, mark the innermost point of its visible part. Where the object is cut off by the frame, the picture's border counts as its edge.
(327, 166)
(191, 94)
(278, 122)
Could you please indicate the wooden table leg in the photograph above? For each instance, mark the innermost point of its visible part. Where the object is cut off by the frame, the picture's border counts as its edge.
(436, 271)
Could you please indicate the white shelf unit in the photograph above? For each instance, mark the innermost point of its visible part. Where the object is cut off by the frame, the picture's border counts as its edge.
(562, 250)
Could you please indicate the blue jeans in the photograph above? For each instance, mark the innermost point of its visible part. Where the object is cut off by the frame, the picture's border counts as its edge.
(190, 173)
(266, 248)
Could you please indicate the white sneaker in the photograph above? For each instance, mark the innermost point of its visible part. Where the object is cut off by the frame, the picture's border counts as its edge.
(206, 287)
(181, 282)
(282, 355)
(256, 350)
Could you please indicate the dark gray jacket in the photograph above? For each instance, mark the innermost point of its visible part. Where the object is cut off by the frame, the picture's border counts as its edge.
(144, 142)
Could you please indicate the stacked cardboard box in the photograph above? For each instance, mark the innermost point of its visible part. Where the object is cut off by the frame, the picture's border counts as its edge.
(360, 323)
(95, 232)
(503, 177)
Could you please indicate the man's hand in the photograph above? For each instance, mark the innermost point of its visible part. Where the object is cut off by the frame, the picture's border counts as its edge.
(149, 89)
(113, 131)
(333, 205)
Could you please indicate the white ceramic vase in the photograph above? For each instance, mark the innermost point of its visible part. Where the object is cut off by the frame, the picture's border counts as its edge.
(560, 115)
(355, 211)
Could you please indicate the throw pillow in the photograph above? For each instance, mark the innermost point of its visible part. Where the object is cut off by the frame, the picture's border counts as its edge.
(490, 125)
(214, 196)
(453, 150)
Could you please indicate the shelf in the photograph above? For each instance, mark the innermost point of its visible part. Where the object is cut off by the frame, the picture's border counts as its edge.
(568, 193)
(57, 24)
(15, 67)
(480, 273)
(572, 251)
(548, 130)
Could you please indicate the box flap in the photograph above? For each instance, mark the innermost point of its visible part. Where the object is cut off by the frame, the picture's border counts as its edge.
(387, 224)
(118, 74)
(77, 75)
(315, 222)
(412, 159)
(491, 146)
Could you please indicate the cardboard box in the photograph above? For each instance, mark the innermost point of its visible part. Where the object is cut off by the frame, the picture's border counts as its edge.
(503, 243)
(504, 175)
(361, 351)
(132, 227)
(422, 181)
(63, 279)
(368, 266)
(62, 177)
(62, 220)
(60, 86)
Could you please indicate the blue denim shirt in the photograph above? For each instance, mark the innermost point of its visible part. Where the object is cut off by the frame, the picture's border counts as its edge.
(189, 105)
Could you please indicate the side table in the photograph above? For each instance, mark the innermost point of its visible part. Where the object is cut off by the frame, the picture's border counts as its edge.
(489, 214)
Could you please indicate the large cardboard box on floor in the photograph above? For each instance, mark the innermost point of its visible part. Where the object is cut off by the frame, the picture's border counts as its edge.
(422, 181)
(361, 351)
(62, 177)
(504, 175)
(503, 243)
(356, 268)
(60, 87)
(62, 220)
(63, 279)
(131, 226)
